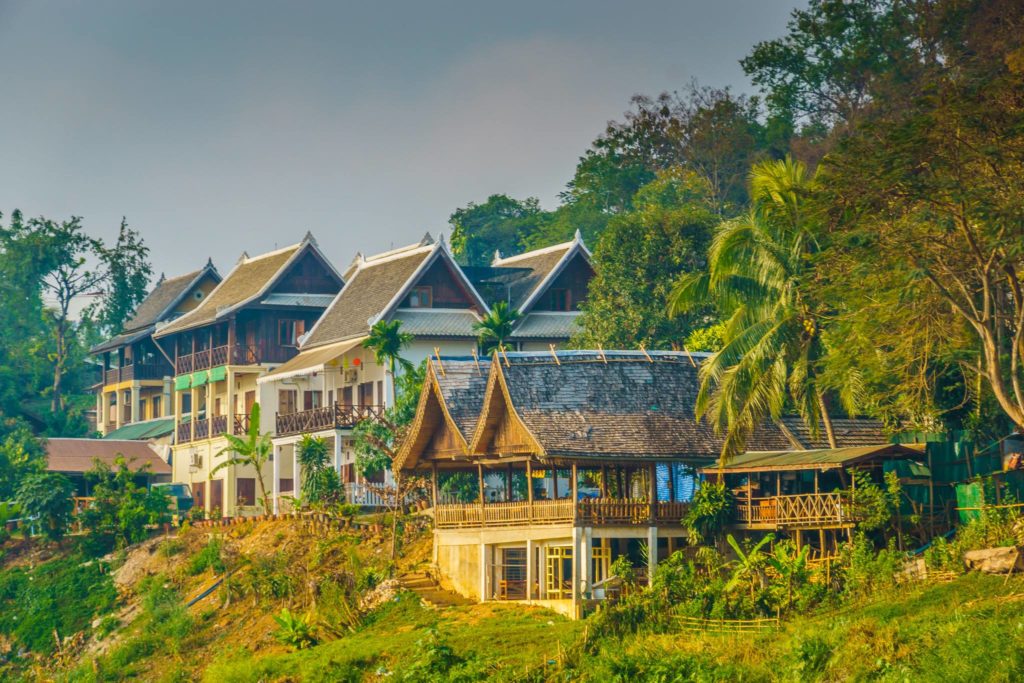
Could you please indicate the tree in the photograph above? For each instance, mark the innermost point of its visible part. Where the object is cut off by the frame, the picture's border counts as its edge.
(924, 200)
(46, 497)
(71, 278)
(253, 451)
(21, 454)
(772, 342)
(129, 271)
(122, 511)
(748, 567)
(387, 340)
(495, 327)
(638, 258)
(320, 483)
(499, 224)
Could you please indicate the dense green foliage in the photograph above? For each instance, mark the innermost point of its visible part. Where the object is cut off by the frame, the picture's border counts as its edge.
(320, 482)
(123, 510)
(45, 500)
(62, 595)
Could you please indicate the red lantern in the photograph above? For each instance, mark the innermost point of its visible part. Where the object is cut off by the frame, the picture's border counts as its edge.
(356, 362)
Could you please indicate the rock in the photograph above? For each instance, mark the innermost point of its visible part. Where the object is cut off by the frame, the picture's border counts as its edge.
(995, 560)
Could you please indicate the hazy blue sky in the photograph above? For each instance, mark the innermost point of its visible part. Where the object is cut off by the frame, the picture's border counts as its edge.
(217, 127)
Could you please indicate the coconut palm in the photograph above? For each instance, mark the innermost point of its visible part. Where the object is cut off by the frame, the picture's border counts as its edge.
(495, 327)
(252, 451)
(387, 340)
(772, 341)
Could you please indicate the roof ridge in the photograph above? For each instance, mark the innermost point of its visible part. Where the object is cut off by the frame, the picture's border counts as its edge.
(534, 252)
(393, 254)
(249, 259)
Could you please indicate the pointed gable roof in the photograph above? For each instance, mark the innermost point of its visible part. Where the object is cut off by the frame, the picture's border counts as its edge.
(159, 305)
(540, 268)
(248, 280)
(377, 285)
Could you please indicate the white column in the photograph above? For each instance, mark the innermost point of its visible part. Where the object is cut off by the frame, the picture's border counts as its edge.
(296, 474)
(136, 402)
(529, 569)
(276, 483)
(587, 555)
(576, 552)
(652, 551)
(166, 407)
(337, 452)
(118, 409)
(483, 572)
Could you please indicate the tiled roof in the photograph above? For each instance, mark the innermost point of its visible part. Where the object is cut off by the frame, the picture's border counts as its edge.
(371, 288)
(463, 382)
(78, 455)
(849, 432)
(437, 322)
(247, 280)
(156, 307)
(547, 325)
(538, 265)
(633, 405)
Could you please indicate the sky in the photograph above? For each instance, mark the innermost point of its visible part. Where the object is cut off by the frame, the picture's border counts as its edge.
(223, 127)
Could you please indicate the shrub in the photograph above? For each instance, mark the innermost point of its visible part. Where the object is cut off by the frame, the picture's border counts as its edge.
(122, 511)
(210, 557)
(46, 497)
(294, 630)
(268, 578)
(709, 512)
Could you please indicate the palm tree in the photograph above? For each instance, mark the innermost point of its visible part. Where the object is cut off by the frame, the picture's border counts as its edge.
(496, 326)
(254, 451)
(387, 340)
(772, 341)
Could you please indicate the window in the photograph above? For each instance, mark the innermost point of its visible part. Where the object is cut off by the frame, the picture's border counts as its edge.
(216, 407)
(559, 300)
(311, 399)
(286, 401)
(421, 297)
(246, 490)
(156, 407)
(289, 331)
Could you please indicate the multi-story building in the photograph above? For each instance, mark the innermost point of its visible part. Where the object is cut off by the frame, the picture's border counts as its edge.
(137, 376)
(250, 323)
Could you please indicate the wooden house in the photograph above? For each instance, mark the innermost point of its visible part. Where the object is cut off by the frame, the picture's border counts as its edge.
(545, 467)
(137, 376)
(249, 324)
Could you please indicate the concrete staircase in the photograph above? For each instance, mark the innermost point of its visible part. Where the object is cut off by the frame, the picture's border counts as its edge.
(430, 591)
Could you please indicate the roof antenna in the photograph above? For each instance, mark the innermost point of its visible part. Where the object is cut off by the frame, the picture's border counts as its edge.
(646, 355)
(554, 353)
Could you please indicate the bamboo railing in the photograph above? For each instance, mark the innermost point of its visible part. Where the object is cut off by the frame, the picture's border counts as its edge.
(586, 512)
(802, 509)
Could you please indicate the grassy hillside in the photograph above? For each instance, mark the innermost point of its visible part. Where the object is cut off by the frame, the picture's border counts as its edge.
(969, 629)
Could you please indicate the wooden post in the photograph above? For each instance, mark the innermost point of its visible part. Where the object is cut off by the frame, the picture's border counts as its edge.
(671, 483)
(652, 485)
(750, 500)
(529, 488)
(815, 481)
(604, 481)
(433, 484)
(931, 492)
(574, 490)
(508, 483)
(554, 483)
(480, 484)
(778, 484)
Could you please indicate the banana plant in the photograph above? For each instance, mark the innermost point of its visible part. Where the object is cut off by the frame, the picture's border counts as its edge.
(790, 564)
(747, 565)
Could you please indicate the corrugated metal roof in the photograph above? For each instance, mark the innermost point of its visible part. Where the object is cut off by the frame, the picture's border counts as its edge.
(547, 325)
(310, 361)
(142, 431)
(819, 458)
(312, 300)
(437, 322)
(79, 455)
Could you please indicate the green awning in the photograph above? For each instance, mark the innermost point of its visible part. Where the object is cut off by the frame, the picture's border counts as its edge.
(817, 459)
(199, 378)
(218, 373)
(182, 382)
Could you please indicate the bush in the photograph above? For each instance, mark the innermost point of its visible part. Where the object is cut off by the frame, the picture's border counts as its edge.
(46, 498)
(294, 631)
(122, 511)
(210, 557)
(709, 512)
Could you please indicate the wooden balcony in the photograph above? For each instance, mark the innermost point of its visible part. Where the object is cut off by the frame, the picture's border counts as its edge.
(217, 425)
(239, 354)
(137, 371)
(586, 512)
(804, 510)
(336, 416)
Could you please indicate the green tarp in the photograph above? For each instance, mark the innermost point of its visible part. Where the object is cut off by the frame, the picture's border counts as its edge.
(218, 373)
(970, 496)
(182, 382)
(199, 378)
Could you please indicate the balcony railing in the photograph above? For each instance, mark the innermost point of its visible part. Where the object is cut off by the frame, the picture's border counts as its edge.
(137, 371)
(335, 416)
(239, 354)
(211, 427)
(586, 512)
(804, 509)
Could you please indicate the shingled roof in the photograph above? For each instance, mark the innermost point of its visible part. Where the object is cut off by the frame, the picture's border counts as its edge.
(377, 285)
(77, 456)
(538, 269)
(248, 280)
(158, 306)
(607, 405)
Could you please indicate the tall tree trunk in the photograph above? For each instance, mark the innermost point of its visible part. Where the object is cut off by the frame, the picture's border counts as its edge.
(827, 420)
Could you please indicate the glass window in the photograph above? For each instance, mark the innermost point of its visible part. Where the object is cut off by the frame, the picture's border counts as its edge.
(421, 297)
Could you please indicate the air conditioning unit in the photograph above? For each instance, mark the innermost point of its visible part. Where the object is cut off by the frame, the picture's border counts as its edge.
(351, 376)
(195, 460)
